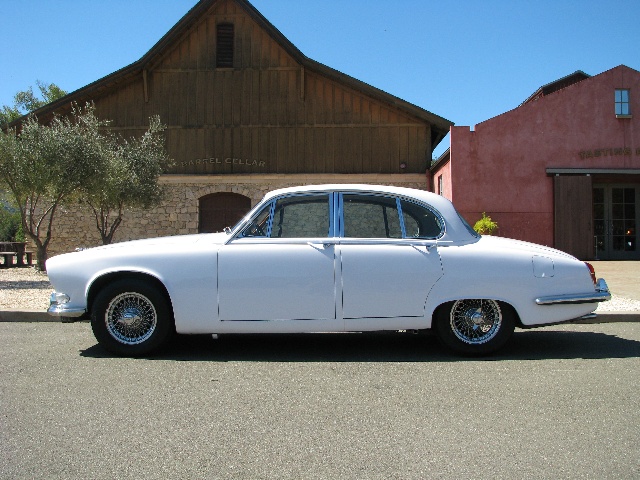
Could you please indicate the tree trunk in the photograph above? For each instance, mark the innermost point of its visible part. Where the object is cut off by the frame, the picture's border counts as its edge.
(41, 257)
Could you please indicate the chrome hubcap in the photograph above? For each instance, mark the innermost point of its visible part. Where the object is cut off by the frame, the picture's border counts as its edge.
(131, 318)
(475, 321)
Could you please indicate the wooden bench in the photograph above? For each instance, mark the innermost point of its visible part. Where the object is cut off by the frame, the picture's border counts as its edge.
(29, 256)
(9, 258)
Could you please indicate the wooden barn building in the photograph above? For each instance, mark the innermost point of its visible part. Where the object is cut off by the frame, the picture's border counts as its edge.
(247, 112)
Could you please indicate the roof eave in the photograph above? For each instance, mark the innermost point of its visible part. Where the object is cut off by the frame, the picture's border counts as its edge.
(440, 126)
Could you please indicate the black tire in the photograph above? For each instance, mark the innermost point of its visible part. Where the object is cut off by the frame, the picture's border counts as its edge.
(131, 318)
(474, 326)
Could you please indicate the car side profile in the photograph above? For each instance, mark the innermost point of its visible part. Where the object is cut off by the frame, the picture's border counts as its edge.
(325, 258)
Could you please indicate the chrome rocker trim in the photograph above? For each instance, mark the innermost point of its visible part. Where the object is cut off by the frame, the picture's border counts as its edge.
(601, 294)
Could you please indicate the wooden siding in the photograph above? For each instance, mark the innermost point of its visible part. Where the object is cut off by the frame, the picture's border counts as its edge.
(267, 114)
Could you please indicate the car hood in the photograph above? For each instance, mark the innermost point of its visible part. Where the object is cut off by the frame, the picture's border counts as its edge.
(501, 243)
(182, 241)
(131, 248)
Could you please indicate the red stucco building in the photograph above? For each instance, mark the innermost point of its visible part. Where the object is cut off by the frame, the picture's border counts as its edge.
(562, 169)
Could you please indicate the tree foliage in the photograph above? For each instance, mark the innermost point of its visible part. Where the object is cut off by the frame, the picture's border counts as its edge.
(130, 180)
(45, 166)
(27, 101)
(10, 225)
(75, 158)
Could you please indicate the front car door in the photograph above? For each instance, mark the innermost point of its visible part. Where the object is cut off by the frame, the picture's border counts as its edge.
(388, 260)
(280, 269)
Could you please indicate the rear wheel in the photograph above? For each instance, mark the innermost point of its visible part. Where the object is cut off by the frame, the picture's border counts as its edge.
(474, 326)
(131, 318)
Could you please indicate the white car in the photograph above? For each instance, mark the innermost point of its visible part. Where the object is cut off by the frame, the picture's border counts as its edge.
(328, 258)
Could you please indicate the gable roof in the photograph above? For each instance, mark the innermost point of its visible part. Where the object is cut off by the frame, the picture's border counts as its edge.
(556, 85)
(439, 125)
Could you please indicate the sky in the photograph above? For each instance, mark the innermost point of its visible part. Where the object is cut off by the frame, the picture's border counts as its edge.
(466, 61)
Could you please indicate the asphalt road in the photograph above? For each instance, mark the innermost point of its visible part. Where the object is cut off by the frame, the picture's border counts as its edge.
(558, 402)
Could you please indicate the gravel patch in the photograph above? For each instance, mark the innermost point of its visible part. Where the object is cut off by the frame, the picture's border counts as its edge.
(24, 289)
(28, 289)
(619, 304)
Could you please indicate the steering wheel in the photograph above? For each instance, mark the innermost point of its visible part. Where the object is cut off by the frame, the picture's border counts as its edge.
(258, 229)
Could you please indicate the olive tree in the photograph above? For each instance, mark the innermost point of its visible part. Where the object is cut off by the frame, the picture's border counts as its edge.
(75, 158)
(27, 101)
(44, 166)
(130, 179)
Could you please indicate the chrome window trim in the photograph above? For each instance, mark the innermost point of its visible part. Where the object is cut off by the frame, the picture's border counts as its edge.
(237, 233)
(398, 199)
(403, 228)
(336, 213)
(436, 213)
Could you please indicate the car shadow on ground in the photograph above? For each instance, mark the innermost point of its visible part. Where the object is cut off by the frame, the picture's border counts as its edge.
(383, 347)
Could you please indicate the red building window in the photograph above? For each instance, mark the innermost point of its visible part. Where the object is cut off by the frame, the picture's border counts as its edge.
(622, 102)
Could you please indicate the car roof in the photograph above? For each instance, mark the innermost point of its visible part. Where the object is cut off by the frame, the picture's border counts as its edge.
(456, 230)
(354, 187)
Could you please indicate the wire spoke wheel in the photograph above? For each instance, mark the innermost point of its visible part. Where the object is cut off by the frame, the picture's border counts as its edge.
(131, 318)
(476, 321)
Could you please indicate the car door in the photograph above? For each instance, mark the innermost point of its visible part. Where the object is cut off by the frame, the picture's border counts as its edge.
(281, 267)
(389, 259)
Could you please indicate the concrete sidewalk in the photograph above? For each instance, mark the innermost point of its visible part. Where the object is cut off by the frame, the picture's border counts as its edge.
(623, 279)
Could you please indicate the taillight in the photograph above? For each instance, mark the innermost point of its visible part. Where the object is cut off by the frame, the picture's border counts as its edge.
(592, 272)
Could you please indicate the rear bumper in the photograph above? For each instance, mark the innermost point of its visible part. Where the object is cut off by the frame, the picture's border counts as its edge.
(600, 294)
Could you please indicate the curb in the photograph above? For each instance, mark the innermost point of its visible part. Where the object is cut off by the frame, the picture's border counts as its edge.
(27, 316)
(611, 317)
(33, 316)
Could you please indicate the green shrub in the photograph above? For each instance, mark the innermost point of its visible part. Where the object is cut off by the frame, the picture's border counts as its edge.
(485, 226)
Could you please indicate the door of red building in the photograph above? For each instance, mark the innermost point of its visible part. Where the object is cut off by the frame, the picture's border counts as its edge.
(572, 216)
(616, 215)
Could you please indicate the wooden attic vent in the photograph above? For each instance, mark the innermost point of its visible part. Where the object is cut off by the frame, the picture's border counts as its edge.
(224, 46)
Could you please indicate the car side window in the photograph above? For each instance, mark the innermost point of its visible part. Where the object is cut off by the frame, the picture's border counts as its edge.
(300, 216)
(420, 222)
(370, 216)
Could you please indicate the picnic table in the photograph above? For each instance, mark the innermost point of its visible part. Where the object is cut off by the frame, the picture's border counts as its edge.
(10, 251)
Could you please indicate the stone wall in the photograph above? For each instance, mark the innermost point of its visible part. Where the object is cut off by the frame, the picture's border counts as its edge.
(75, 225)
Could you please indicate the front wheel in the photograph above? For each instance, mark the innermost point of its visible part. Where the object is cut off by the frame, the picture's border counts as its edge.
(131, 318)
(474, 326)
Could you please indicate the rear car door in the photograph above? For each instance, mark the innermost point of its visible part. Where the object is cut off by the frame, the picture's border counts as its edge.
(388, 259)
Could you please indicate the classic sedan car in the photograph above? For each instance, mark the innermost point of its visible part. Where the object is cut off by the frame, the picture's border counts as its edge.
(326, 258)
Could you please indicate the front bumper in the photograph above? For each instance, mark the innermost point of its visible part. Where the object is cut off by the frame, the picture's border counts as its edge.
(59, 307)
(600, 294)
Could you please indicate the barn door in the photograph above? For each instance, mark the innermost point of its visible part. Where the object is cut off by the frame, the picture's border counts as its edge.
(219, 210)
(572, 215)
